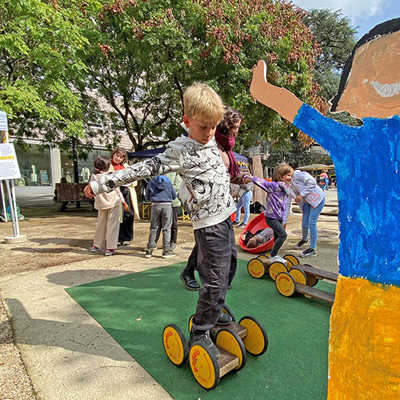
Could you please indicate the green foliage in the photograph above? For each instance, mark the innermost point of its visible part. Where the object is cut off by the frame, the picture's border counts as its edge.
(144, 54)
(39, 63)
(336, 37)
(76, 68)
(294, 151)
(329, 82)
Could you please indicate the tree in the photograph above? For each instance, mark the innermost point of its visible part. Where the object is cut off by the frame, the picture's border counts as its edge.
(145, 52)
(39, 64)
(336, 37)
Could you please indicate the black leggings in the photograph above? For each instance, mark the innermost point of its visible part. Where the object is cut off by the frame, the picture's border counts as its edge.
(280, 234)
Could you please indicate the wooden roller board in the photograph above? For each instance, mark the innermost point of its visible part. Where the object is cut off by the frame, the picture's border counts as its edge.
(210, 363)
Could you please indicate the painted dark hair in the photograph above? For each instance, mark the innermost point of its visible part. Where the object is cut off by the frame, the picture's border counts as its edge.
(231, 118)
(101, 165)
(382, 29)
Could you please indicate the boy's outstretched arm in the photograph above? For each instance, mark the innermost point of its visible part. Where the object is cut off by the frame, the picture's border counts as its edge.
(285, 103)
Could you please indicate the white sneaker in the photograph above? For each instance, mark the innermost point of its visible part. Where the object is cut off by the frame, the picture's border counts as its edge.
(278, 259)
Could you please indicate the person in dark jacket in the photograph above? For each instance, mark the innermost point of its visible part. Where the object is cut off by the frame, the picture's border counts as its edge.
(161, 193)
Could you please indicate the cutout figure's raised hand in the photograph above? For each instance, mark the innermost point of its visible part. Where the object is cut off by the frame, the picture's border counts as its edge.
(281, 100)
(259, 84)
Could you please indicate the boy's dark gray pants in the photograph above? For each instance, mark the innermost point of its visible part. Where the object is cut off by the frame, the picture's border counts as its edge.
(216, 265)
(161, 216)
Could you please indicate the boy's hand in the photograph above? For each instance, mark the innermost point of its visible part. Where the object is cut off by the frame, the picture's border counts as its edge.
(125, 205)
(88, 192)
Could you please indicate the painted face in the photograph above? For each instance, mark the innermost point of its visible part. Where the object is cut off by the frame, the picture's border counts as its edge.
(200, 131)
(117, 158)
(287, 178)
(373, 86)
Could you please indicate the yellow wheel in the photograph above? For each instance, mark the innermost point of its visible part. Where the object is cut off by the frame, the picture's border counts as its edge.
(285, 284)
(299, 275)
(291, 260)
(256, 340)
(204, 365)
(275, 268)
(256, 268)
(230, 341)
(175, 345)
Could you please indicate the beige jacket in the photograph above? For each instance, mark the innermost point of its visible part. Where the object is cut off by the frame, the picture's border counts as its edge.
(105, 201)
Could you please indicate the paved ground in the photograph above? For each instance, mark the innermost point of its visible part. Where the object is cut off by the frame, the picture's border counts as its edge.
(51, 349)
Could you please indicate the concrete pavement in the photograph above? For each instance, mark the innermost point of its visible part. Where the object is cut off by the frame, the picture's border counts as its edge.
(68, 355)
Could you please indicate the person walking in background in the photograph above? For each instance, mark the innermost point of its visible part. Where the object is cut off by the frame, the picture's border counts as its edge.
(161, 194)
(176, 181)
(246, 194)
(119, 160)
(311, 200)
(108, 206)
(324, 180)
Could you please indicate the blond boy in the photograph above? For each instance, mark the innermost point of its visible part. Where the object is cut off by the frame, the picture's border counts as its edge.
(205, 194)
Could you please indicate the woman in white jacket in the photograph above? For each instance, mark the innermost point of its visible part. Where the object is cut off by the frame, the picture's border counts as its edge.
(311, 200)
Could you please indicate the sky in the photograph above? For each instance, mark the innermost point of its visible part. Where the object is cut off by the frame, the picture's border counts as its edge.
(363, 14)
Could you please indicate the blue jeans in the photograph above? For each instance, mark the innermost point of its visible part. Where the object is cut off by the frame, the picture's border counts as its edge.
(244, 202)
(309, 222)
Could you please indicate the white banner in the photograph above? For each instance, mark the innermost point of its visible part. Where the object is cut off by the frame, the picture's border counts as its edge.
(3, 127)
(9, 168)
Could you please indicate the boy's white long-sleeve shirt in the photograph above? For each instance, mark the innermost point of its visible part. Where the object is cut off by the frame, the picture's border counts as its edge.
(205, 193)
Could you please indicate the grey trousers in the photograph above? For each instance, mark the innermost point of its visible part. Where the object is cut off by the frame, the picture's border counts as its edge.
(161, 216)
(216, 265)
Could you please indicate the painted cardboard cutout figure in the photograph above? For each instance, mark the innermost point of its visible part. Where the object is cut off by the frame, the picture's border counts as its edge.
(364, 355)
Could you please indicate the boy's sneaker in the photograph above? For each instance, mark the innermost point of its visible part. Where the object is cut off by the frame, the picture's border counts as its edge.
(301, 243)
(241, 225)
(149, 253)
(189, 281)
(309, 252)
(94, 249)
(172, 246)
(235, 223)
(203, 339)
(109, 252)
(224, 319)
(277, 259)
(168, 254)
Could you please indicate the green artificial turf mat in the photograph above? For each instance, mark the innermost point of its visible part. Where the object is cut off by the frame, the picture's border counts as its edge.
(134, 309)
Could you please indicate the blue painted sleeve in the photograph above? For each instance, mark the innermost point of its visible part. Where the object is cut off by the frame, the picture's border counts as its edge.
(330, 134)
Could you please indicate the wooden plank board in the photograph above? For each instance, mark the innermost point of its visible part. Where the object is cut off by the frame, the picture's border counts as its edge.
(226, 362)
(319, 273)
(313, 292)
(233, 326)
